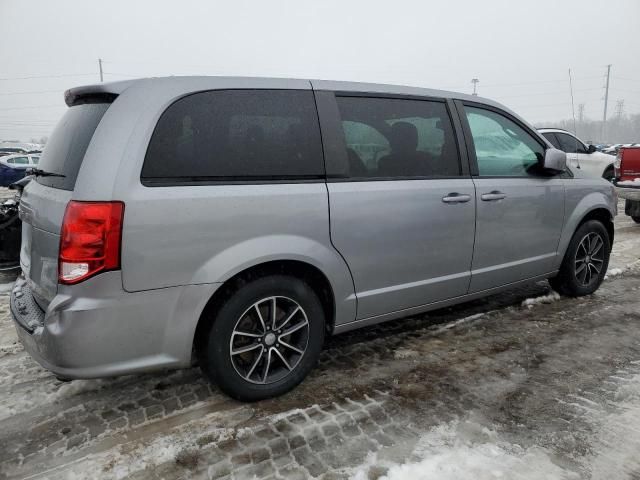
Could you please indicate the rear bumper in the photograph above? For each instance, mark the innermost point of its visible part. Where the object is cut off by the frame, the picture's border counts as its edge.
(96, 329)
(628, 193)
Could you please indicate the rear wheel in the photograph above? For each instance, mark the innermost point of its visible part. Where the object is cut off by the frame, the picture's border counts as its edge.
(265, 338)
(636, 219)
(585, 262)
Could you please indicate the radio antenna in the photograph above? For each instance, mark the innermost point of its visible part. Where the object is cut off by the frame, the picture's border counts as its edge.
(573, 112)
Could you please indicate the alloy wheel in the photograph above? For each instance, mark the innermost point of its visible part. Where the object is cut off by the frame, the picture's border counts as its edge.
(269, 340)
(589, 259)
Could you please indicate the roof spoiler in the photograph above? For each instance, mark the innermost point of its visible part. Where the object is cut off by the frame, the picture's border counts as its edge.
(97, 93)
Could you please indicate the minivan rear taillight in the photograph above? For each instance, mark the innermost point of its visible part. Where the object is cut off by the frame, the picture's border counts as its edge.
(90, 240)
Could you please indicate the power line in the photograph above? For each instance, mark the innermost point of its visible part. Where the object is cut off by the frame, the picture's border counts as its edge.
(48, 76)
(32, 92)
(626, 79)
(124, 74)
(30, 108)
(547, 93)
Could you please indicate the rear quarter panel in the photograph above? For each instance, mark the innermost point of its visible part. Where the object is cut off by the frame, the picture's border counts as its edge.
(203, 234)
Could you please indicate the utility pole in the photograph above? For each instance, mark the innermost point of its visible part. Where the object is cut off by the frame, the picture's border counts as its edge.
(475, 82)
(606, 100)
(581, 112)
(619, 109)
(102, 79)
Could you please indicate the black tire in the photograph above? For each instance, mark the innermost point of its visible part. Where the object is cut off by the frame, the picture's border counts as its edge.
(570, 283)
(636, 219)
(215, 355)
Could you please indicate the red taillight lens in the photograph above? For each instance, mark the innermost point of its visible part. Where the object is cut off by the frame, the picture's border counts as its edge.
(89, 240)
(617, 164)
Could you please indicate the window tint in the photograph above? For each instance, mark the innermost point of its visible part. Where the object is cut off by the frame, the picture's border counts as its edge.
(19, 161)
(237, 135)
(397, 138)
(552, 138)
(35, 160)
(68, 144)
(570, 144)
(502, 147)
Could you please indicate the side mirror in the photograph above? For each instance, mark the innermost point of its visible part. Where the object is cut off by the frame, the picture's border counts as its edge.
(591, 149)
(555, 160)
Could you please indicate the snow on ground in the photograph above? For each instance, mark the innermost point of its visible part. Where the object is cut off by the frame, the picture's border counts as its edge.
(617, 439)
(466, 449)
(549, 298)
(629, 183)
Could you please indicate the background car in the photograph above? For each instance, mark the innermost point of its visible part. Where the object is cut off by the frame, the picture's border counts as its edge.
(579, 155)
(14, 167)
(11, 151)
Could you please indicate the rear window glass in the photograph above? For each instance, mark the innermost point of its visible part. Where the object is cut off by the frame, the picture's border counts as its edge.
(236, 135)
(68, 143)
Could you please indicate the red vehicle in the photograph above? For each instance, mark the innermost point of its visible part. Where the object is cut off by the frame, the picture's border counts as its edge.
(627, 181)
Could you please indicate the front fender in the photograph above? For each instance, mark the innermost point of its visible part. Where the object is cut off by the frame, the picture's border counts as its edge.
(577, 207)
(255, 251)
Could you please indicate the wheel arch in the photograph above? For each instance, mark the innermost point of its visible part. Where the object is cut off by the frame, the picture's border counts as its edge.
(592, 207)
(603, 216)
(304, 271)
(608, 168)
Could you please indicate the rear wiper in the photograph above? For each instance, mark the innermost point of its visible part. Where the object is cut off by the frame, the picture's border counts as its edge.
(42, 173)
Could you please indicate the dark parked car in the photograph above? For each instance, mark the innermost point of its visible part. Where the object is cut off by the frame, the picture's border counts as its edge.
(14, 167)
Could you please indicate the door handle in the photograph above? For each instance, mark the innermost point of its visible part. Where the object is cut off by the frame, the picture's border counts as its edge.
(456, 197)
(493, 196)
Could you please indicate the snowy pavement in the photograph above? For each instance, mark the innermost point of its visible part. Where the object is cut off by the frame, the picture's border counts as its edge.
(6, 193)
(521, 385)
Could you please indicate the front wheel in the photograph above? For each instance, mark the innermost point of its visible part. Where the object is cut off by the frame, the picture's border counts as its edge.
(265, 339)
(585, 262)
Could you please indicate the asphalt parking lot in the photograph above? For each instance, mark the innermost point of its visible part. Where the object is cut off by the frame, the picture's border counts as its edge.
(525, 384)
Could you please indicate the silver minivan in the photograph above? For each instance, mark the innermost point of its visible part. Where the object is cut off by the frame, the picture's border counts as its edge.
(236, 222)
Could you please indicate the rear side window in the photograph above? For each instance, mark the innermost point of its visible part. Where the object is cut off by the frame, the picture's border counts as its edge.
(236, 135)
(68, 144)
(552, 139)
(570, 144)
(395, 138)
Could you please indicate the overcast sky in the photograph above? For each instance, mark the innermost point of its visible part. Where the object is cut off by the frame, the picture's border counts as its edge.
(519, 50)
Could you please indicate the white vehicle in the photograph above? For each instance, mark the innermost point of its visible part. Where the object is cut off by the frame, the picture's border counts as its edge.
(21, 161)
(580, 156)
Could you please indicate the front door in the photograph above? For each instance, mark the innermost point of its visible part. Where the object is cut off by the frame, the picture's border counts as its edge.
(402, 207)
(520, 210)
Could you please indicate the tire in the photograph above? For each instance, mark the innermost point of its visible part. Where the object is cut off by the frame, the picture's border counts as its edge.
(572, 280)
(248, 374)
(636, 219)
